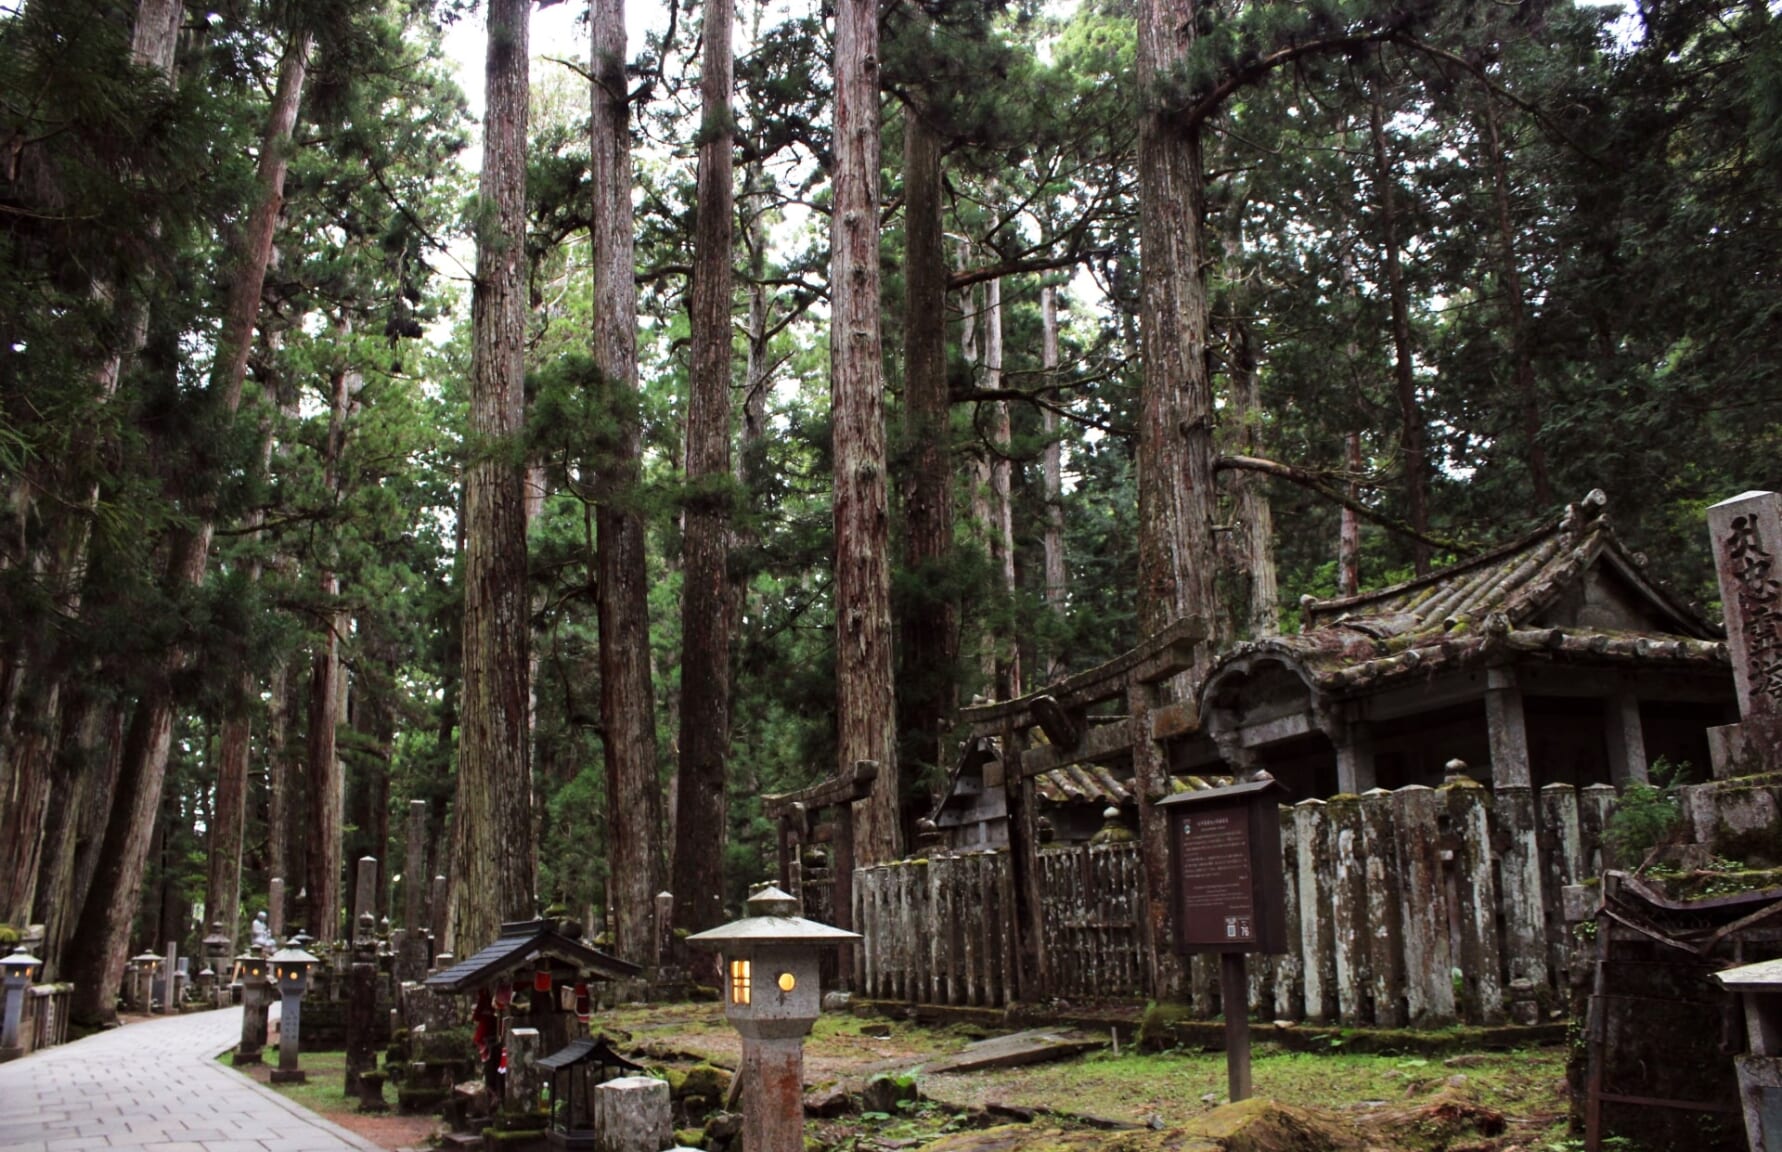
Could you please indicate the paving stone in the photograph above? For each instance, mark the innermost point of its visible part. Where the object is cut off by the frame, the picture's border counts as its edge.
(154, 1086)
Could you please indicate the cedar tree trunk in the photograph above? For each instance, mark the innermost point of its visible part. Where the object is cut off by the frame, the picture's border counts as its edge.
(864, 698)
(1411, 436)
(700, 809)
(492, 853)
(627, 707)
(930, 621)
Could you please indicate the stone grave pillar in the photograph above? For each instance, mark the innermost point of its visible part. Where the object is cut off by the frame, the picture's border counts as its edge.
(361, 1009)
(411, 958)
(170, 981)
(365, 900)
(439, 911)
(1745, 534)
(524, 1077)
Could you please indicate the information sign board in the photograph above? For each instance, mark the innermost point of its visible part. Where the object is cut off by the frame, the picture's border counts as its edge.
(1225, 851)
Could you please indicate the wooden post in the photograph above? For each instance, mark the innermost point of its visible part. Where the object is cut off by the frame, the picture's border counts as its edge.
(1508, 729)
(842, 867)
(1150, 784)
(1625, 737)
(1032, 978)
(1232, 985)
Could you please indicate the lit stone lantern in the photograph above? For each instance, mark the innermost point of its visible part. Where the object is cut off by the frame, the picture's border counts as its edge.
(253, 971)
(772, 997)
(290, 971)
(19, 969)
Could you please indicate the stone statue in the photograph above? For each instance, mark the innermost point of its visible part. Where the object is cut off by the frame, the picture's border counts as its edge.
(260, 934)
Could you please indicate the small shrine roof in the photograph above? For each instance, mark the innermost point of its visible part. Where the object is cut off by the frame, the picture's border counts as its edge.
(596, 1049)
(524, 942)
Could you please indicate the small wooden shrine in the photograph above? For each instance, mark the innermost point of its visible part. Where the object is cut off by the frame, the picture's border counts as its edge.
(575, 1070)
(534, 975)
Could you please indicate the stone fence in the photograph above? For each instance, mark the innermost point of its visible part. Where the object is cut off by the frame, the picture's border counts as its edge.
(1414, 907)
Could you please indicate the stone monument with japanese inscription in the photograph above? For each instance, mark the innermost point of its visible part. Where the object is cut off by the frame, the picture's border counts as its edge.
(1746, 535)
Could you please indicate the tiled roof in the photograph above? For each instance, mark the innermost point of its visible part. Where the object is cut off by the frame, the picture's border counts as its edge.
(1517, 579)
(1491, 603)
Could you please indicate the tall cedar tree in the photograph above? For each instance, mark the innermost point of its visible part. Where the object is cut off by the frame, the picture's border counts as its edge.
(930, 628)
(493, 865)
(1176, 499)
(627, 710)
(29, 734)
(102, 936)
(706, 607)
(865, 708)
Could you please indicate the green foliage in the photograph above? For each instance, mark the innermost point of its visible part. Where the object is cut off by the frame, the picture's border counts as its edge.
(1647, 816)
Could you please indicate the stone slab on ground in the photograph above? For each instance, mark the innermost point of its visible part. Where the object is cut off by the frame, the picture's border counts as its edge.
(1034, 1046)
(155, 1086)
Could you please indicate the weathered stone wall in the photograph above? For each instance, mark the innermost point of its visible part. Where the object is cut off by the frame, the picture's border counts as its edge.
(1417, 907)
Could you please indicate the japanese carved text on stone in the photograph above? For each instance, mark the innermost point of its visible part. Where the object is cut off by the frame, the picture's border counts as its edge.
(1747, 531)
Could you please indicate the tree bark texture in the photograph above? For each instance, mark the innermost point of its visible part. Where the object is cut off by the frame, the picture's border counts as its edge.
(1412, 437)
(1175, 450)
(1057, 586)
(1349, 542)
(930, 624)
(327, 783)
(1007, 652)
(627, 707)
(1253, 515)
(102, 935)
(222, 900)
(493, 865)
(91, 751)
(1528, 395)
(865, 707)
(706, 613)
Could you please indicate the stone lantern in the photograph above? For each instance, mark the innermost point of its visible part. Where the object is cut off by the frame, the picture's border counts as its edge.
(290, 971)
(146, 964)
(254, 971)
(19, 970)
(216, 951)
(772, 997)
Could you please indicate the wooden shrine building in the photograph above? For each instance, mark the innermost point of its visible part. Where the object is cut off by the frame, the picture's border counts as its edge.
(1552, 659)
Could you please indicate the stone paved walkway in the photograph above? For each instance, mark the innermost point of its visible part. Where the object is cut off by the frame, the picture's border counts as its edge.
(154, 1087)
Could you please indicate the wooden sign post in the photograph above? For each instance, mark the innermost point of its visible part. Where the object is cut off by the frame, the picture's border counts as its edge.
(1225, 852)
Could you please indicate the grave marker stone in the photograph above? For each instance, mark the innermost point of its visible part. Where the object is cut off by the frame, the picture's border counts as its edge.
(1746, 536)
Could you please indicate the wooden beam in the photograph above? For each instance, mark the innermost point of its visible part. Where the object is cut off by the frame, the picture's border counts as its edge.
(828, 794)
(1102, 742)
(1156, 658)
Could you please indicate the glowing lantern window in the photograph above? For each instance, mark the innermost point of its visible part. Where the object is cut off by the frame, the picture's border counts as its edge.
(739, 981)
(787, 981)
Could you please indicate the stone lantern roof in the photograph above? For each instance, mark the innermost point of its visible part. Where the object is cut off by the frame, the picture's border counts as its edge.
(774, 920)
